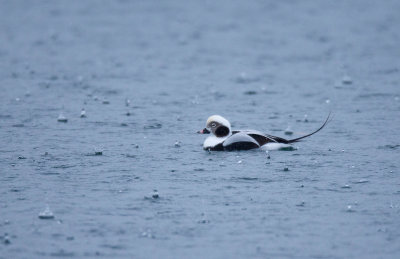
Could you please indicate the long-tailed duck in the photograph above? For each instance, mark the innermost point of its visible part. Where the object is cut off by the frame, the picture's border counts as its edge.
(225, 139)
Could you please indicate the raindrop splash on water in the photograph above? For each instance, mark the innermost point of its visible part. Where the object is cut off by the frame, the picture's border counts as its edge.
(62, 118)
(83, 113)
(288, 131)
(346, 80)
(155, 194)
(98, 151)
(46, 214)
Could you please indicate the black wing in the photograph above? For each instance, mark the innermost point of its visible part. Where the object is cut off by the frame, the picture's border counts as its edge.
(261, 138)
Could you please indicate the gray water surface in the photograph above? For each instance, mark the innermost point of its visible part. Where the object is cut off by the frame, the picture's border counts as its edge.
(263, 65)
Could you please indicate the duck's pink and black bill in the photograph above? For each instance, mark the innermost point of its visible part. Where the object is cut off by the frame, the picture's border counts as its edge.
(204, 131)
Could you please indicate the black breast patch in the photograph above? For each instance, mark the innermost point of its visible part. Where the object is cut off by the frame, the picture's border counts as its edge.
(241, 146)
(240, 141)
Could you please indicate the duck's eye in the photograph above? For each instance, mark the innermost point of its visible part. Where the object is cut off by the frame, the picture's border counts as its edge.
(213, 125)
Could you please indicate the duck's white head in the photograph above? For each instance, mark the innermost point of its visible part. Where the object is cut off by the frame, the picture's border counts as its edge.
(218, 126)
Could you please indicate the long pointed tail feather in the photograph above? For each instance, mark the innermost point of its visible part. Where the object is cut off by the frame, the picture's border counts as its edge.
(323, 125)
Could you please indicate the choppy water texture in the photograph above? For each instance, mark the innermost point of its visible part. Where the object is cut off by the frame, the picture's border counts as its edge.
(262, 64)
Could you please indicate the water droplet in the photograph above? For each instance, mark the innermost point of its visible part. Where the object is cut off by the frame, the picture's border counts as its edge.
(46, 214)
(239, 162)
(177, 144)
(83, 113)
(305, 118)
(98, 151)
(6, 239)
(346, 80)
(288, 131)
(155, 194)
(62, 118)
(127, 102)
(327, 101)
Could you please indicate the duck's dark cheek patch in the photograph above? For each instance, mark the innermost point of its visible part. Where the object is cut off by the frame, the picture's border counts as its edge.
(222, 131)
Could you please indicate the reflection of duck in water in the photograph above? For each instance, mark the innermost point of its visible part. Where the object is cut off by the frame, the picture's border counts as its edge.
(225, 139)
